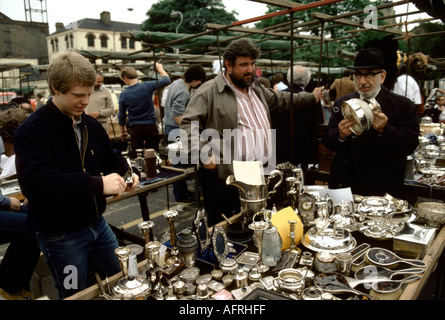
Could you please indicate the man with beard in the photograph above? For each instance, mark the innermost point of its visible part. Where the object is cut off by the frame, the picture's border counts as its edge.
(100, 106)
(237, 107)
(372, 163)
(176, 102)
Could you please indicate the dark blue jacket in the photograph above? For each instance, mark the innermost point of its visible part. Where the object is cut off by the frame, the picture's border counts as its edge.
(63, 185)
(373, 164)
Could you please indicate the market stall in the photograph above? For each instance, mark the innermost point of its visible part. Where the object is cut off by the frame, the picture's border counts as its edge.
(319, 244)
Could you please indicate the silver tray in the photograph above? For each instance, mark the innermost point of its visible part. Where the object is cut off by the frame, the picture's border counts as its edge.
(384, 229)
(248, 258)
(372, 229)
(9, 187)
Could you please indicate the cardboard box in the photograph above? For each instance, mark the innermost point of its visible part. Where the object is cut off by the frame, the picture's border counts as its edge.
(42, 282)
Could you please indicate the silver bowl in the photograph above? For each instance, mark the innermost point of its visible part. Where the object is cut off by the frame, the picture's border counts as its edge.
(433, 212)
(362, 112)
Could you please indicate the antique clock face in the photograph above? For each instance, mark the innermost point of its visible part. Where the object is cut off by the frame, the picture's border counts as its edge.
(306, 203)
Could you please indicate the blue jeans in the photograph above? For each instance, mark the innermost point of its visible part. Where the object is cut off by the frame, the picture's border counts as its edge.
(180, 189)
(71, 255)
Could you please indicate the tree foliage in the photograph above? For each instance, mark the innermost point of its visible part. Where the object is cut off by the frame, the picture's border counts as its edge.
(196, 13)
(309, 50)
(432, 45)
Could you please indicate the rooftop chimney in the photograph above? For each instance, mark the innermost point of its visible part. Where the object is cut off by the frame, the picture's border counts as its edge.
(105, 17)
(59, 26)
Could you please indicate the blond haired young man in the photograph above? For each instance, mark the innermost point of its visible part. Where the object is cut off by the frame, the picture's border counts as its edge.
(66, 167)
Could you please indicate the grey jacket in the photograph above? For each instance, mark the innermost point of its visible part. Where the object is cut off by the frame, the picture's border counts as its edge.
(214, 106)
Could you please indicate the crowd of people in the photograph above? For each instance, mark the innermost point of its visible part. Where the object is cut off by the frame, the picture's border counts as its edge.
(66, 165)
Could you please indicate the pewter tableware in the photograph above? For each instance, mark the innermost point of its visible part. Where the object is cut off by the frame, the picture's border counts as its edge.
(372, 271)
(384, 257)
(336, 283)
(393, 285)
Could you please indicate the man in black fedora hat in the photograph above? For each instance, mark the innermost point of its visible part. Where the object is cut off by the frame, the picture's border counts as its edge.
(373, 162)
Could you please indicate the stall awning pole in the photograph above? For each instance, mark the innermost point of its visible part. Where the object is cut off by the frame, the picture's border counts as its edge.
(303, 7)
(291, 82)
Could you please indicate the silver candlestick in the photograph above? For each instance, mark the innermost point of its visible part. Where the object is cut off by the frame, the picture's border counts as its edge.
(293, 244)
(146, 227)
(123, 254)
(174, 253)
(258, 228)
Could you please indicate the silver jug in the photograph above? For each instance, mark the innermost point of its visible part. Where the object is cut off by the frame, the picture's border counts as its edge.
(253, 198)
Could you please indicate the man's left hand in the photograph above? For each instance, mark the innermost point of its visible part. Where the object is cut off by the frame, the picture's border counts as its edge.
(380, 120)
(135, 183)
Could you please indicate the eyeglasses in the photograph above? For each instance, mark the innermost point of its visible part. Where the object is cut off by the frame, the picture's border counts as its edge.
(367, 75)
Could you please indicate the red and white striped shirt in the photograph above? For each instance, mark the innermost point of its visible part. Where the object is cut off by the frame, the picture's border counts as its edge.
(253, 125)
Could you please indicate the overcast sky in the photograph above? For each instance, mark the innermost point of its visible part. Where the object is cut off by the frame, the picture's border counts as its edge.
(71, 11)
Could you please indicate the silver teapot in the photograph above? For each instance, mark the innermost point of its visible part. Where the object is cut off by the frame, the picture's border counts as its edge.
(129, 287)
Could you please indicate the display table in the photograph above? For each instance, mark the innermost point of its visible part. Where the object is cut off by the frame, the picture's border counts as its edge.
(167, 176)
(411, 291)
(412, 189)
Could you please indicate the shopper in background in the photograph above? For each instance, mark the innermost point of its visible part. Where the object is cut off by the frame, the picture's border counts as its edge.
(176, 102)
(407, 86)
(10, 120)
(22, 254)
(40, 101)
(136, 104)
(101, 105)
(438, 111)
(343, 86)
(278, 81)
(304, 124)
